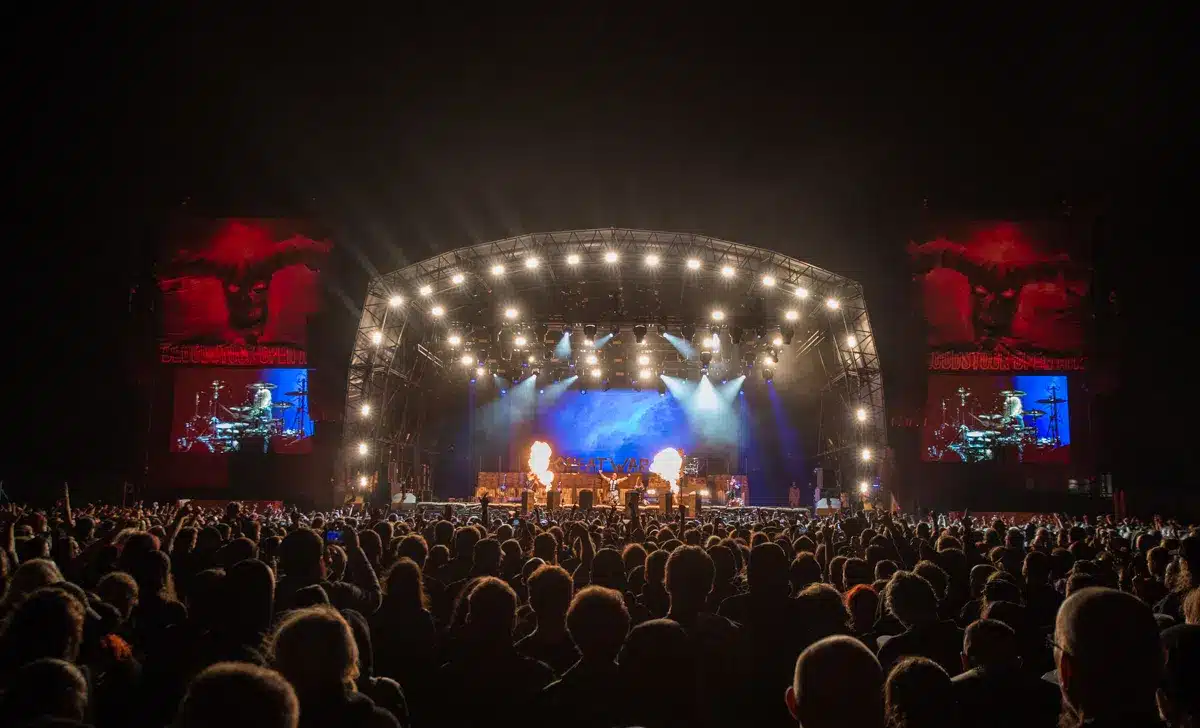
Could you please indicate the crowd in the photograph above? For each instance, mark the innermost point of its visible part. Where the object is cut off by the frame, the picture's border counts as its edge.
(177, 615)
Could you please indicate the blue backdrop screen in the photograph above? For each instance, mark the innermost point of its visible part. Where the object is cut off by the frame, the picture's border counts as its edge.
(618, 424)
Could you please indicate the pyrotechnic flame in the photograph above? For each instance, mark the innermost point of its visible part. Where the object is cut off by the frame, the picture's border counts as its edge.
(668, 464)
(539, 463)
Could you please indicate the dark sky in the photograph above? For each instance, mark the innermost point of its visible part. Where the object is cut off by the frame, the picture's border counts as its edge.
(826, 138)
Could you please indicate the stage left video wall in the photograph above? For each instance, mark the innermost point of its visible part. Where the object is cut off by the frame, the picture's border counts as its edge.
(237, 302)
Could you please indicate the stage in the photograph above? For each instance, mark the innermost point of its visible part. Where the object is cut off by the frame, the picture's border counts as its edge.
(613, 489)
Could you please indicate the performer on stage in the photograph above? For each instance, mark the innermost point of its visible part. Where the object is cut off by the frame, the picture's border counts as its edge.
(1013, 409)
(261, 408)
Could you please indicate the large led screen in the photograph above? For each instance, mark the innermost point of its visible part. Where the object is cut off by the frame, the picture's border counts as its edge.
(241, 282)
(1001, 288)
(221, 410)
(1010, 418)
(699, 418)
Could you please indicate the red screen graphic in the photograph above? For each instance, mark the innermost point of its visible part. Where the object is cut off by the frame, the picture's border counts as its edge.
(1000, 287)
(1021, 418)
(221, 410)
(241, 282)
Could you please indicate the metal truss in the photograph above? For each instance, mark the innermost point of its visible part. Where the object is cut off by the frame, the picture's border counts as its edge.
(400, 313)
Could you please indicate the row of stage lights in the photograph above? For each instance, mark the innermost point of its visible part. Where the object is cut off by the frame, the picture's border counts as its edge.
(611, 257)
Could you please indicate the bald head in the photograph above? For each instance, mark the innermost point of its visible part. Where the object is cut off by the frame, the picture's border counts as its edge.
(1109, 657)
(838, 682)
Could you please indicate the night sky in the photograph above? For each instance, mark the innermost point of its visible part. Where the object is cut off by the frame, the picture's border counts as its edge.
(827, 139)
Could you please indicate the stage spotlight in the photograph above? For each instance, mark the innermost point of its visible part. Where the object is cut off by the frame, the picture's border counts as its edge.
(366, 409)
(592, 359)
(454, 340)
(718, 315)
(363, 449)
(520, 341)
(860, 414)
(768, 281)
(801, 292)
(832, 304)
(511, 313)
(866, 454)
(437, 311)
(652, 260)
(363, 481)
(588, 343)
(376, 337)
(467, 360)
(596, 373)
(532, 263)
(771, 358)
(768, 374)
(573, 259)
(639, 333)
(727, 271)
(693, 264)
(589, 331)
(611, 257)
(661, 329)
(480, 371)
(735, 334)
(688, 331)
(395, 301)
(615, 329)
(662, 388)
(777, 341)
(425, 290)
(851, 341)
(532, 358)
(791, 315)
(498, 270)
(705, 358)
(645, 374)
(457, 279)
(864, 487)
(644, 360)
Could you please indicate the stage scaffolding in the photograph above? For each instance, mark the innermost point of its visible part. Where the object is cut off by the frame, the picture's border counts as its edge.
(395, 349)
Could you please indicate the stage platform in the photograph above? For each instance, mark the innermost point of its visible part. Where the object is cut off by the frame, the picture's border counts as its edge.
(717, 490)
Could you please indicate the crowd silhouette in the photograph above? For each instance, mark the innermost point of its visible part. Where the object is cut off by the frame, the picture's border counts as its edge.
(428, 617)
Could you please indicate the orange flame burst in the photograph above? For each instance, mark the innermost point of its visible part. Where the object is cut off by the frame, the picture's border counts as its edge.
(539, 463)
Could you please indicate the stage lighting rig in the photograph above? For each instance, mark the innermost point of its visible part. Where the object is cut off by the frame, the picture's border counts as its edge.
(735, 334)
(639, 332)
(788, 333)
(615, 329)
(689, 331)
(661, 329)
(643, 360)
(542, 330)
(589, 331)
(705, 358)
(768, 374)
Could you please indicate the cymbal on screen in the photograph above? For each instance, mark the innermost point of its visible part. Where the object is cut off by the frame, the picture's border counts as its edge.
(262, 385)
(296, 393)
(1011, 393)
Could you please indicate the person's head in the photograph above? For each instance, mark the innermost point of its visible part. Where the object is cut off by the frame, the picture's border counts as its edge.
(1191, 607)
(30, 576)
(988, 643)
(45, 688)
(550, 594)
(491, 610)
(315, 650)
(649, 674)
(689, 576)
(856, 571)
(767, 572)
(413, 547)
(911, 599)
(1157, 561)
(1080, 581)
(1036, 568)
(261, 698)
(633, 556)
(545, 547)
(464, 543)
(823, 610)
(935, 575)
(979, 577)
(885, 568)
(862, 602)
(918, 694)
(1000, 589)
(47, 623)
(1108, 654)
(598, 622)
(301, 554)
(120, 590)
(1178, 697)
(405, 588)
(837, 682)
(656, 567)
(804, 571)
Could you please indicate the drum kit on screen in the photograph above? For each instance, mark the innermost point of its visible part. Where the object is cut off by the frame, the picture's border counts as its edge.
(218, 428)
(976, 432)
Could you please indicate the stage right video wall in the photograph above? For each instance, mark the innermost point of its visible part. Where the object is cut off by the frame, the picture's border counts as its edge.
(1006, 306)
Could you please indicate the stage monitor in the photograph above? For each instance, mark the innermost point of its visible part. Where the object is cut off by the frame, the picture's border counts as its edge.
(224, 410)
(997, 418)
